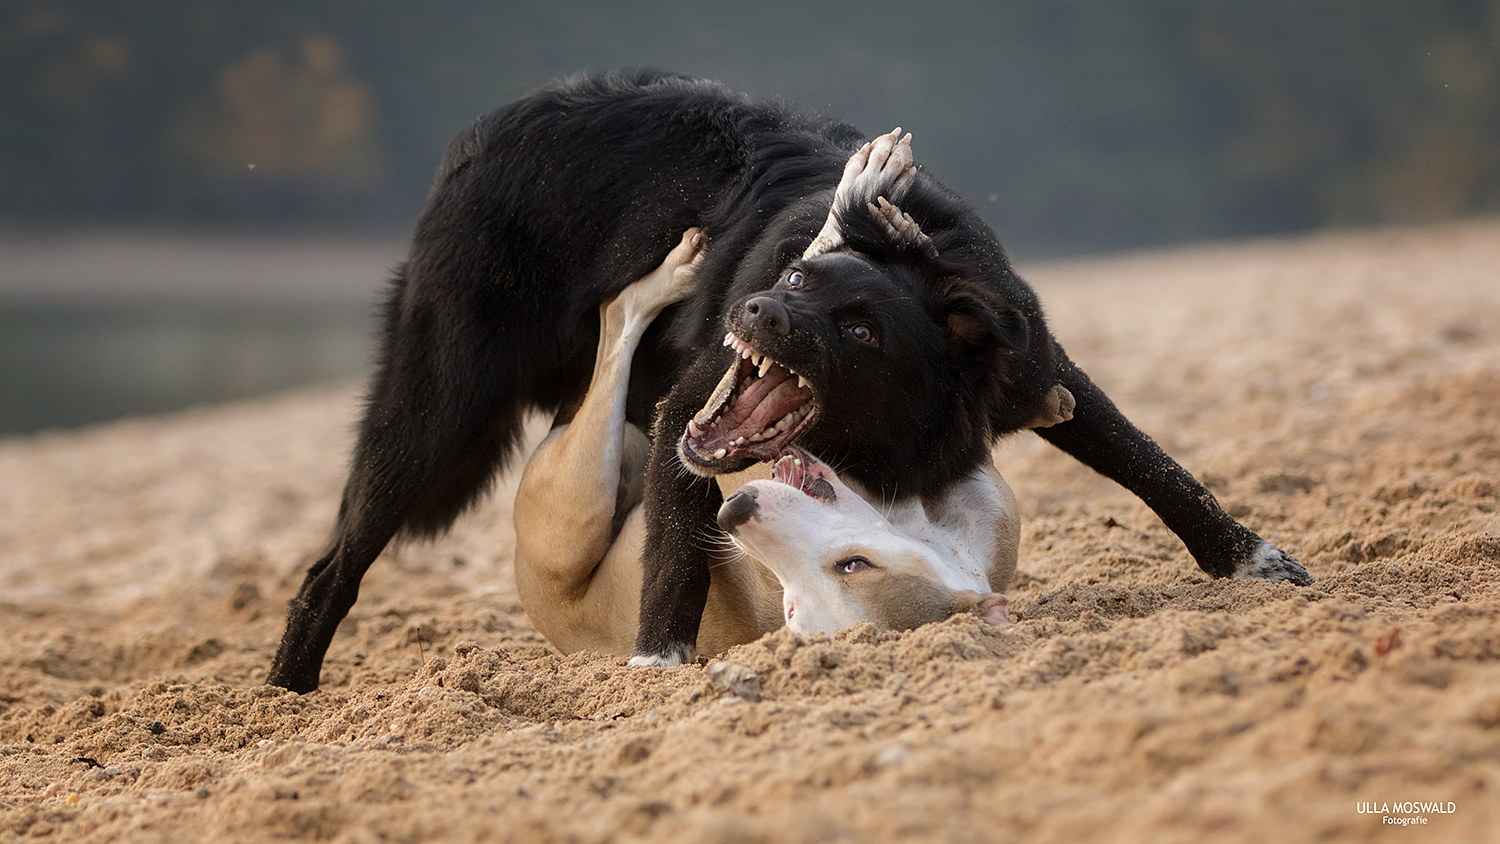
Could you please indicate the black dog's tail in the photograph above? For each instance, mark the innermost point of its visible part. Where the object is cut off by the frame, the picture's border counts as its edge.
(495, 311)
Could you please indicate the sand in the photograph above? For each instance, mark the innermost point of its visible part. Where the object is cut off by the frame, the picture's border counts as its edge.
(1340, 394)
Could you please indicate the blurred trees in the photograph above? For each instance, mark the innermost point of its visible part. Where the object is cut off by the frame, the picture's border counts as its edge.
(1351, 112)
(1075, 125)
(301, 116)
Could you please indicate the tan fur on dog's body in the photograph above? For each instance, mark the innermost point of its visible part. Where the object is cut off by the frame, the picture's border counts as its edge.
(578, 565)
(580, 531)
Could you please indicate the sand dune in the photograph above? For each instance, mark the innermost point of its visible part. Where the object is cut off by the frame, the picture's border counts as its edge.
(1340, 394)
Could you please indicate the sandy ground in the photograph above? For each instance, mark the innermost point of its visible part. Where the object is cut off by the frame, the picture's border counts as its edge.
(1341, 394)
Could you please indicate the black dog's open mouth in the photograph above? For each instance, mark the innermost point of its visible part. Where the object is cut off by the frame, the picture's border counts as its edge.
(758, 409)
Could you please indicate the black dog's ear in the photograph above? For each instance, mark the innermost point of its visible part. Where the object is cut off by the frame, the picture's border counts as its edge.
(976, 324)
(790, 250)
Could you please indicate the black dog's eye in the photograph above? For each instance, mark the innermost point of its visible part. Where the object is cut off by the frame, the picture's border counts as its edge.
(853, 564)
(794, 279)
(863, 333)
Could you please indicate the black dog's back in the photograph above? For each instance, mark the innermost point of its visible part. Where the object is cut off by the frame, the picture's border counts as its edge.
(540, 212)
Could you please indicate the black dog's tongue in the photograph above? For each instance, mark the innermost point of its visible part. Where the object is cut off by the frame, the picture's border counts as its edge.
(764, 403)
(755, 412)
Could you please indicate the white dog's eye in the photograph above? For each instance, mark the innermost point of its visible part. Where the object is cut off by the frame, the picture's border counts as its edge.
(851, 565)
(794, 279)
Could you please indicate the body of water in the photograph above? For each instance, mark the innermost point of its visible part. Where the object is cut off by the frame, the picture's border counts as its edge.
(95, 327)
(66, 365)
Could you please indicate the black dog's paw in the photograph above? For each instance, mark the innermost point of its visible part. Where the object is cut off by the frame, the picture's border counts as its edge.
(1273, 564)
(671, 657)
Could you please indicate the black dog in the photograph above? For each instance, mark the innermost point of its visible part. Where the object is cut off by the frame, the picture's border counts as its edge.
(899, 356)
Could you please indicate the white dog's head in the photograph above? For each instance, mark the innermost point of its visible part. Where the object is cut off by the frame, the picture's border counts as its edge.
(841, 561)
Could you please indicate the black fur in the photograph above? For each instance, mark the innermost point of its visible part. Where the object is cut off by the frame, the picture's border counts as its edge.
(548, 207)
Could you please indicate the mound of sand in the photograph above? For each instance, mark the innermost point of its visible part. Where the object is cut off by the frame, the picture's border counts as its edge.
(1340, 394)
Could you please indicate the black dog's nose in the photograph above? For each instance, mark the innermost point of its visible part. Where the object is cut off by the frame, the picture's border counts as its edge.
(768, 315)
(738, 509)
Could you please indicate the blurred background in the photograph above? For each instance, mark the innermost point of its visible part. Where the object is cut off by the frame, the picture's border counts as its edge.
(201, 200)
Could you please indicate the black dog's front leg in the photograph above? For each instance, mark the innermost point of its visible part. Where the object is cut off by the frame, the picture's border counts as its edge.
(681, 509)
(1102, 438)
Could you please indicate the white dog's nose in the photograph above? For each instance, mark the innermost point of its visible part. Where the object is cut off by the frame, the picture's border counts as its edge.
(738, 509)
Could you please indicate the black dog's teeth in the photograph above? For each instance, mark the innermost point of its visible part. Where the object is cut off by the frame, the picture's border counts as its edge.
(755, 366)
(763, 363)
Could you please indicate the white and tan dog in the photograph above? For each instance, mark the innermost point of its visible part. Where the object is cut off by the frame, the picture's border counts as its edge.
(840, 560)
(807, 550)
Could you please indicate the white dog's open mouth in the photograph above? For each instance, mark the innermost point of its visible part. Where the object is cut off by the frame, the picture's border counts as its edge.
(758, 409)
(801, 470)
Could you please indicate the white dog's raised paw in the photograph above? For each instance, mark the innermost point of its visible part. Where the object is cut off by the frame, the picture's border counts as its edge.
(901, 228)
(1273, 564)
(687, 255)
(882, 167)
(670, 282)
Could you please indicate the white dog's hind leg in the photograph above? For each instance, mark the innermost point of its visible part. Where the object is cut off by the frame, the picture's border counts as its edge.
(567, 502)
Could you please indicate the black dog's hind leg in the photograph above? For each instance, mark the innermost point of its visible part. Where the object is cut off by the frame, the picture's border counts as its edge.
(1102, 438)
(441, 418)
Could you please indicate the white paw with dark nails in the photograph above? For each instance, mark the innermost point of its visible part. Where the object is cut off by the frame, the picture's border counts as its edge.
(1273, 564)
(670, 658)
(670, 282)
(882, 167)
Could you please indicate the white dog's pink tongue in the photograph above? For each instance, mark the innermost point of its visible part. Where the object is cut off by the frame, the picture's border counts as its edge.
(788, 470)
(799, 469)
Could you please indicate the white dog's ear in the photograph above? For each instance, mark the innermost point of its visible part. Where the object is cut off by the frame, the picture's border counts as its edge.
(990, 606)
